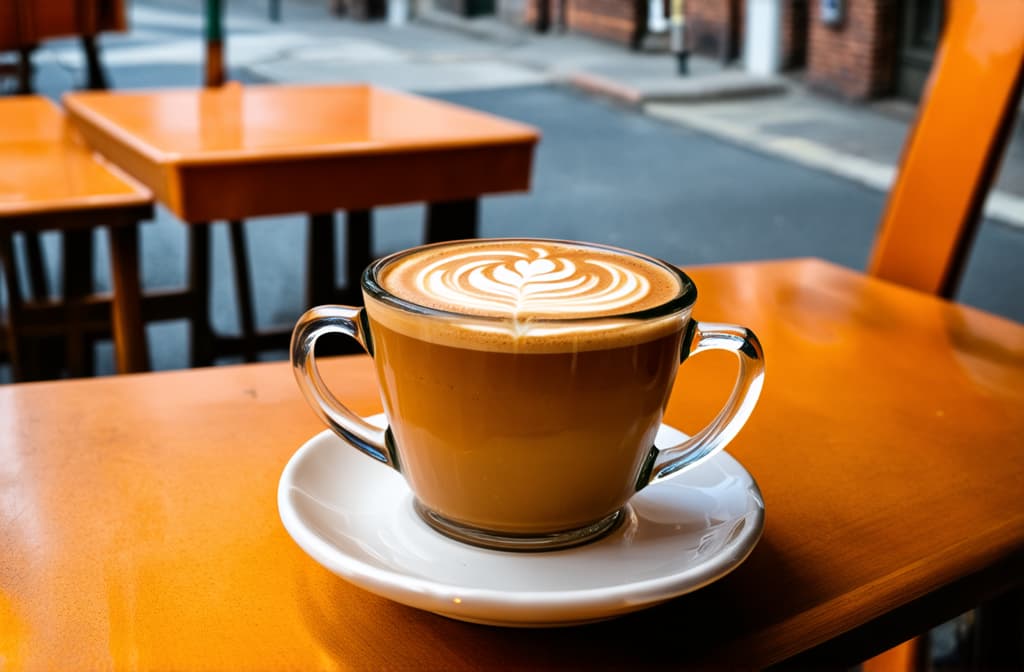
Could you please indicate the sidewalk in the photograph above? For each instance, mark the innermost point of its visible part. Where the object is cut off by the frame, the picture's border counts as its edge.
(777, 116)
(440, 53)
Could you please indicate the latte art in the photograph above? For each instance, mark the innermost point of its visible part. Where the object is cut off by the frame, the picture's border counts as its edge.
(534, 295)
(534, 282)
(534, 279)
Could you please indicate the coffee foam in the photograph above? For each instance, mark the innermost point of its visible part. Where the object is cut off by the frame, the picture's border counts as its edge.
(527, 284)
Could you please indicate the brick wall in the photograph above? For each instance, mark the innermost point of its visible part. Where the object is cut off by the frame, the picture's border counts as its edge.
(529, 13)
(607, 19)
(714, 27)
(855, 60)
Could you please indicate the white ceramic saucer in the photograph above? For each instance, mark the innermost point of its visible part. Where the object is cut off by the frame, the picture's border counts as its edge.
(354, 516)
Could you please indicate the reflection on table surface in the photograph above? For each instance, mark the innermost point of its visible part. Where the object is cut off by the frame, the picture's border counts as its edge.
(139, 527)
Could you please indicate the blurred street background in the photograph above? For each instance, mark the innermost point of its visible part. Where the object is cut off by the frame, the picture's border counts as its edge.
(720, 165)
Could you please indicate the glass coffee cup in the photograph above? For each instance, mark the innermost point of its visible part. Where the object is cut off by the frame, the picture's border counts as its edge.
(523, 381)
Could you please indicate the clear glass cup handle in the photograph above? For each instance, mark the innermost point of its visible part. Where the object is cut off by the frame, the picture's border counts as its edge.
(356, 431)
(701, 337)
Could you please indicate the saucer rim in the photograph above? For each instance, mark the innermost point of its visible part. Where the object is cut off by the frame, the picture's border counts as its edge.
(434, 595)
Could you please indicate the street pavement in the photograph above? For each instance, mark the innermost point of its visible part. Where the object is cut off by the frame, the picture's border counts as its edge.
(634, 175)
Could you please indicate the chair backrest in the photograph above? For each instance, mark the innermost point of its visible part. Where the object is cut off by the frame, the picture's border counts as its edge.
(954, 148)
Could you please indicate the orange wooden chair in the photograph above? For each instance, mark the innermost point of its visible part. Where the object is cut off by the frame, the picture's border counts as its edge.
(954, 149)
(949, 162)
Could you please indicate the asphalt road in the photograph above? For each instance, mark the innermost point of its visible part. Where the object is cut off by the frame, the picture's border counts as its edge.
(603, 173)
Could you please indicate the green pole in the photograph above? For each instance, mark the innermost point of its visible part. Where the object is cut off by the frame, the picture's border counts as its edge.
(214, 21)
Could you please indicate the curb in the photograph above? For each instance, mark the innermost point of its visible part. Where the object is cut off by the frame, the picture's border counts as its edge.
(601, 86)
(699, 88)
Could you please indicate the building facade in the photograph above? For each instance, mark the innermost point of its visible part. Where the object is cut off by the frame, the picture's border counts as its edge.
(854, 49)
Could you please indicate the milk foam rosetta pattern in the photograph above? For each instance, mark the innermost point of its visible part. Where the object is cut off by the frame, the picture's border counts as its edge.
(532, 281)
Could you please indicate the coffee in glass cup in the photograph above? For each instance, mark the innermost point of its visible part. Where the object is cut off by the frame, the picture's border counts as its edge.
(524, 381)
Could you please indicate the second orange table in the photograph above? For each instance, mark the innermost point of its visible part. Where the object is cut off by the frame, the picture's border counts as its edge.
(236, 152)
(50, 182)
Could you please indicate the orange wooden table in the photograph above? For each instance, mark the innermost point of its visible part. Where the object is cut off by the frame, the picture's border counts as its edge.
(50, 180)
(139, 528)
(234, 152)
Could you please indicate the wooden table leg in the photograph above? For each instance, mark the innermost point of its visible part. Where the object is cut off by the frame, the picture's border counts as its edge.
(452, 220)
(199, 290)
(243, 289)
(126, 311)
(321, 260)
(322, 268)
(358, 251)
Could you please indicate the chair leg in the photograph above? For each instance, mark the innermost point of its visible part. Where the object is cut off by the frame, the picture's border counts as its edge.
(38, 285)
(126, 311)
(243, 289)
(43, 357)
(25, 70)
(321, 259)
(452, 220)
(77, 285)
(97, 78)
(10, 272)
(199, 289)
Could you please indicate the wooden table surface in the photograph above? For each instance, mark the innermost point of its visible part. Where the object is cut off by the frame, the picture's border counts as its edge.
(45, 167)
(138, 521)
(50, 180)
(242, 151)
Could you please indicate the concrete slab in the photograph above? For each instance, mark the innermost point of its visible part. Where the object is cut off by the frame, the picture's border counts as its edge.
(640, 89)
